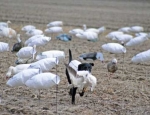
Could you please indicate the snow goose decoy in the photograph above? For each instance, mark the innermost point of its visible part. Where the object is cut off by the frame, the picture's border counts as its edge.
(92, 56)
(34, 32)
(25, 54)
(40, 41)
(52, 30)
(43, 81)
(17, 46)
(125, 29)
(51, 54)
(137, 40)
(20, 78)
(90, 36)
(45, 65)
(55, 23)
(136, 29)
(112, 35)
(112, 66)
(28, 28)
(4, 46)
(14, 70)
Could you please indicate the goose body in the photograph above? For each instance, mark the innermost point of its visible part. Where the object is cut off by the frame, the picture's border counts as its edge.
(123, 38)
(76, 31)
(32, 39)
(141, 57)
(34, 32)
(26, 52)
(112, 35)
(114, 48)
(90, 36)
(45, 65)
(137, 40)
(14, 70)
(54, 30)
(125, 29)
(7, 32)
(136, 29)
(51, 54)
(4, 46)
(39, 42)
(43, 81)
(20, 78)
(28, 28)
(55, 23)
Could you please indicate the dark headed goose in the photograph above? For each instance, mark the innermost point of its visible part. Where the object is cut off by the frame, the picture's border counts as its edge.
(17, 46)
(112, 66)
(92, 56)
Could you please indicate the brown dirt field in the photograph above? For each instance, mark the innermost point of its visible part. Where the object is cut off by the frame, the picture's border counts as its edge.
(125, 94)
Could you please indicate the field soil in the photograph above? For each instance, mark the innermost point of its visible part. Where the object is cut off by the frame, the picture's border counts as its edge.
(127, 92)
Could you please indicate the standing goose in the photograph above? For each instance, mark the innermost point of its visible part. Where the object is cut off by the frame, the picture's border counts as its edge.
(17, 46)
(112, 66)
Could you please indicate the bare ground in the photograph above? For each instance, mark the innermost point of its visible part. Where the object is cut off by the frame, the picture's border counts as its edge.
(127, 93)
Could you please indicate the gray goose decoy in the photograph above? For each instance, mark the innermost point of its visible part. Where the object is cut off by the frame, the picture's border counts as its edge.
(112, 66)
(93, 56)
(17, 46)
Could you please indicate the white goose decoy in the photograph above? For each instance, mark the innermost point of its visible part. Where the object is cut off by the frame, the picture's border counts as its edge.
(43, 81)
(28, 28)
(34, 32)
(20, 78)
(55, 23)
(45, 65)
(125, 29)
(114, 48)
(123, 38)
(141, 34)
(137, 40)
(112, 35)
(54, 30)
(40, 42)
(141, 57)
(90, 36)
(7, 32)
(76, 31)
(26, 55)
(51, 54)
(4, 46)
(98, 31)
(14, 70)
(5, 24)
(17, 46)
(35, 37)
(136, 29)
(26, 52)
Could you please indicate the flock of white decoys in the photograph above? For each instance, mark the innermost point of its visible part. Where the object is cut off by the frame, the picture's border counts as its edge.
(35, 74)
